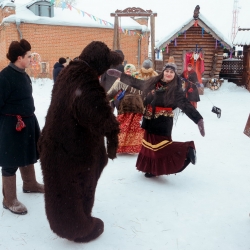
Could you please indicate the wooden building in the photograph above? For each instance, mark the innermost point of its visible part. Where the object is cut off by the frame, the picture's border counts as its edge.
(243, 39)
(198, 42)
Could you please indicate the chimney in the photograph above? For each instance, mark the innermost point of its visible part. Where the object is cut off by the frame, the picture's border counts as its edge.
(7, 9)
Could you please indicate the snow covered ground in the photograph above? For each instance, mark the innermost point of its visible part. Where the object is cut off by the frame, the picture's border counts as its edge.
(205, 207)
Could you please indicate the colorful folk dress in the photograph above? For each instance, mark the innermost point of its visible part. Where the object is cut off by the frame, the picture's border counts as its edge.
(129, 116)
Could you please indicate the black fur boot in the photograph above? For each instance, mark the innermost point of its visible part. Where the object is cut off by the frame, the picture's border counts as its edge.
(149, 175)
(192, 155)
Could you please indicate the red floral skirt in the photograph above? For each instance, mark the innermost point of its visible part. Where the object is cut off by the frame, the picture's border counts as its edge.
(160, 155)
(131, 133)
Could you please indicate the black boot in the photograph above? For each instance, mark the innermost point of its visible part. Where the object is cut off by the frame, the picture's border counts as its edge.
(192, 155)
(149, 175)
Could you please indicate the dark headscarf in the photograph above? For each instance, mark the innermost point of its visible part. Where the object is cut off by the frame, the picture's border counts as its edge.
(171, 87)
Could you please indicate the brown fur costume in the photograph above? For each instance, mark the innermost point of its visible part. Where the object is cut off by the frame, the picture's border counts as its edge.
(72, 149)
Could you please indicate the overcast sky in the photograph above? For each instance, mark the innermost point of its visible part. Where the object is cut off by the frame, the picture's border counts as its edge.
(173, 13)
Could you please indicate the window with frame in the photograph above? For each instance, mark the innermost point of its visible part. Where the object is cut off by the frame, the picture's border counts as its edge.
(44, 67)
(42, 8)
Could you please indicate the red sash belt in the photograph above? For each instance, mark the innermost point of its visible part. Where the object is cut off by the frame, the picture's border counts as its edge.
(158, 109)
(20, 124)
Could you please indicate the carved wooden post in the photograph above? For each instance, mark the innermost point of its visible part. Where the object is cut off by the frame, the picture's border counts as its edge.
(248, 69)
(132, 12)
(246, 66)
(116, 40)
(152, 27)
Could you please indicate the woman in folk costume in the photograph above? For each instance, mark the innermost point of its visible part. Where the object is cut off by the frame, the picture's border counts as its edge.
(159, 154)
(146, 71)
(130, 111)
(191, 90)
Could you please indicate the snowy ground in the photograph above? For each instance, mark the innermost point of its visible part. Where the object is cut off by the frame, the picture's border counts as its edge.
(206, 207)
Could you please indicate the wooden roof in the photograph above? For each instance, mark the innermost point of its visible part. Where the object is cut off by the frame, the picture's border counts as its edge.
(203, 23)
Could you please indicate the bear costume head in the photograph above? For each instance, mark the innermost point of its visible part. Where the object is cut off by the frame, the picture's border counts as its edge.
(99, 57)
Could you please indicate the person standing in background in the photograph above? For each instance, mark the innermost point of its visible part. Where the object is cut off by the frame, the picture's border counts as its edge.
(190, 88)
(130, 110)
(146, 71)
(58, 67)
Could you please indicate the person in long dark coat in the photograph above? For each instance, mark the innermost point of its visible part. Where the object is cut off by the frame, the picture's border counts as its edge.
(191, 90)
(19, 128)
(72, 146)
(58, 67)
(162, 94)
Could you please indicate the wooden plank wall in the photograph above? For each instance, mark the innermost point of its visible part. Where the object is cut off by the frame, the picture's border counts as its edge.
(246, 67)
(207, 43)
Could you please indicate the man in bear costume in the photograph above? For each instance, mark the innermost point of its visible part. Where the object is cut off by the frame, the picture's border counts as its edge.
(71, 145)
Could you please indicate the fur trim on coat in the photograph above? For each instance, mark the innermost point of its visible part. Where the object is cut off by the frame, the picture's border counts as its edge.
(145, 74)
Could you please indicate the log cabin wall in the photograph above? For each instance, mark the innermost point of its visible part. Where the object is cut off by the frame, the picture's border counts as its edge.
(212, 57)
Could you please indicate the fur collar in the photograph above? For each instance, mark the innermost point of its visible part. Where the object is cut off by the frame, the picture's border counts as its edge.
(146, 71)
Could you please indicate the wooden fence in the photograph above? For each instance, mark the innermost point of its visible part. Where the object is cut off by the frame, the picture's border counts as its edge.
(232, 70)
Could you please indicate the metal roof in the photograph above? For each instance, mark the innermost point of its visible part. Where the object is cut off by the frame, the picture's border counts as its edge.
(242, 37)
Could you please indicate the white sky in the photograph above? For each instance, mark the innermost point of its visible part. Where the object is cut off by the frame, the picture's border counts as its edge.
(171, 14)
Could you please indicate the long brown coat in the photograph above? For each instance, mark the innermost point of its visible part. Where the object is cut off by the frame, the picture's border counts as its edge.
(72, 149)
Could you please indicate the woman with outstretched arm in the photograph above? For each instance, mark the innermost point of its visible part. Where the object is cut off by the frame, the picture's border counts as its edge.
(159, 154)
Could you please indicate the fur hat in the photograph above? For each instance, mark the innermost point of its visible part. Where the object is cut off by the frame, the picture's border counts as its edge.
(171, 64)
(62, 60)
(131, 67)
(17, 49)
(147, 64)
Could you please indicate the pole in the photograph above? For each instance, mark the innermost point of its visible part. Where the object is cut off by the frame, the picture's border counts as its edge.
(116, 42)
(152, 27)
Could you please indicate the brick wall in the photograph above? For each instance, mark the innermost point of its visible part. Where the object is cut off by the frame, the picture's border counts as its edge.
(52, 42)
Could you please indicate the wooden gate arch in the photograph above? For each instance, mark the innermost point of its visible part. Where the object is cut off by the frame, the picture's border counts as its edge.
(133, 12)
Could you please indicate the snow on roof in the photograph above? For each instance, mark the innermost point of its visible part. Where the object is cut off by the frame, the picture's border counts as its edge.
(242, 37)
(6, 3)
(203, 22)
(67, 17)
